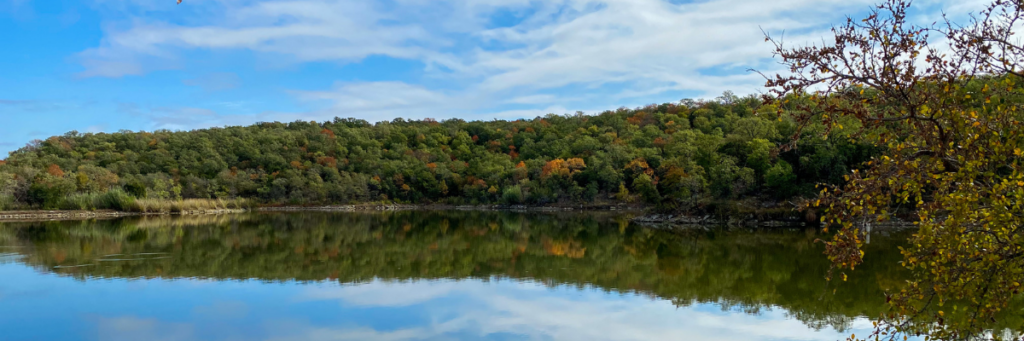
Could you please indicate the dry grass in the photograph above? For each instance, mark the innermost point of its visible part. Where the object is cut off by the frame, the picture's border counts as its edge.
(188, 205)
(121, 201)
(110, 200)
(6, 202)
(164, 221)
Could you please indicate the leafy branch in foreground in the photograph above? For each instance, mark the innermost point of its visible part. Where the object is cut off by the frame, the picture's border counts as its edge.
(949, 116)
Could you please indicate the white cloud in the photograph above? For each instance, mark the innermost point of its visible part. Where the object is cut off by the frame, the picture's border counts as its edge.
(534, 99)
(382, 294)
(173, 118)
(130, 328)
(215, 81)
(372, 101)
(223, 310)
(460, 309)
(34, 106)
(634, 50)
(374, 98)
(328, 334)
(477, 310)
(304, 30)
(529, 113)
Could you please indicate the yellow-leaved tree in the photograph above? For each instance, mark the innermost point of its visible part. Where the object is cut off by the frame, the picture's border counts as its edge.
(944, 103)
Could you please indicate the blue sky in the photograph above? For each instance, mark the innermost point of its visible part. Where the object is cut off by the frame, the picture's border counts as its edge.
(108, 65)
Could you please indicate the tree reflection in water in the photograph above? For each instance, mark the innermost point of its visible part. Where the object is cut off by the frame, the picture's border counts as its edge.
(736, 269)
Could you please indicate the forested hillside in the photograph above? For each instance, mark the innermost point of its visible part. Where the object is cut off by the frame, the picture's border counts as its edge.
(675, 156)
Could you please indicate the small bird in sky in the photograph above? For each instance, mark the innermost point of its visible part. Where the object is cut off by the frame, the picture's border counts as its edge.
(179, 2)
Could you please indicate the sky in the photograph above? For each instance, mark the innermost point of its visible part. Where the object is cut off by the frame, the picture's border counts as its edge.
(111, 65)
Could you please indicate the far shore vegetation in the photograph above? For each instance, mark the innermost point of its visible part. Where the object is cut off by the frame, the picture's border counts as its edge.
(118, 200)
(693, 155)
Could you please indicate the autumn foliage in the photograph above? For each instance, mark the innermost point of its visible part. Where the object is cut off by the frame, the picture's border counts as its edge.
(55, 171)
(948, 118)
(562, 168)
(721, 144)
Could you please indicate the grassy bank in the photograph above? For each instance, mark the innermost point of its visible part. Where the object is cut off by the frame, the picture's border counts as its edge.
(7, 202)
(118, 200)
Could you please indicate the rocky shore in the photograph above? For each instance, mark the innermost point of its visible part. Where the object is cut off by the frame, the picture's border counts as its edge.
(748, 221)
(670, 220)
(31, 215)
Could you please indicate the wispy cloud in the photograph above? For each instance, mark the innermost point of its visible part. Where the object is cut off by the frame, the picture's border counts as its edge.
(382, 294)
(632, 49)
(303, 30)
(471, 59)
(520, 309)
(552, 43)
(215, 81)
(33, 106)
(135, 328)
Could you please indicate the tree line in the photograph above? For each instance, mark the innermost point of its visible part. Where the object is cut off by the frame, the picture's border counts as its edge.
(685, 155)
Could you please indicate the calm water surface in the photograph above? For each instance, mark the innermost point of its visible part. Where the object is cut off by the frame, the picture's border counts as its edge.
(426, 276)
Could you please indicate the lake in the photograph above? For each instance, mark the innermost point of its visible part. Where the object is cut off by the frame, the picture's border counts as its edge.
(428, 275)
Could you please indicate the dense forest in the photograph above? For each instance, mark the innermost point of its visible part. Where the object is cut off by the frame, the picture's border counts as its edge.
(678, 156)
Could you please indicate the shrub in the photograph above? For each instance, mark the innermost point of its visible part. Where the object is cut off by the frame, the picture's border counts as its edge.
(623, 194)
(78, 201)
(136, 189)
(513, 195)
(780, 178)
(49, 192)
(645, 186)
(6, 202)
(116, 199)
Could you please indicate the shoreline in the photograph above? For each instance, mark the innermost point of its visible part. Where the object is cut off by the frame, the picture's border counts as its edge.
(442, 207)
(644, 217)
(670, 221)
(60, 215)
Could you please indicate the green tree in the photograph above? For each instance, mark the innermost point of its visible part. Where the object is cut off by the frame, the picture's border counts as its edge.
(721, 147)
(47, 190)
(780, 178)
(644, 185)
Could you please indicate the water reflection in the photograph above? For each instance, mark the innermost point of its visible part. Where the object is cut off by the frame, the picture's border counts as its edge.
(426, 276)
